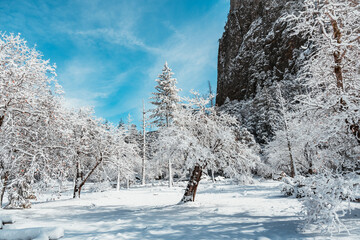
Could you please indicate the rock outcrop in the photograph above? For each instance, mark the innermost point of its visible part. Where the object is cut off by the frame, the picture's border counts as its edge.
(256, 52)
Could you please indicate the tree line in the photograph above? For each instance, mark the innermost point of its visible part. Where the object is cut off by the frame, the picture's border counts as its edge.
(44, 144)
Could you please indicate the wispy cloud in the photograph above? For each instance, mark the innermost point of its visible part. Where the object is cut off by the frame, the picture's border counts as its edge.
(77, 77)
(76, 103)
(119, 36)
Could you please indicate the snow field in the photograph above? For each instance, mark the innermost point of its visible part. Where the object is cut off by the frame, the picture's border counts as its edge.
(32, 234)
(220, 211)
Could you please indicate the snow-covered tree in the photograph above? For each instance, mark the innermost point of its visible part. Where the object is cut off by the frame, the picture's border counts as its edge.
(166, 102)
(206, 140)
(123, 159)
(165, 98)
(154, 163)
(331, 76)
(28, 103)
(331, 103)
(91, 143)
(280, 152)
(143, 149)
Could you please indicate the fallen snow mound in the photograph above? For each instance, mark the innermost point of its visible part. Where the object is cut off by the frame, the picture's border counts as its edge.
(32, 234)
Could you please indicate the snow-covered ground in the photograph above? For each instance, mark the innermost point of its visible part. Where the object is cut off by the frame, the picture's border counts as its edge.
(220, 211)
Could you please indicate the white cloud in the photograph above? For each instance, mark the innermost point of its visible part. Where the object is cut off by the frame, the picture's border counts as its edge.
(76, 103)
(79, 77)
(119, 36)
(76, 71)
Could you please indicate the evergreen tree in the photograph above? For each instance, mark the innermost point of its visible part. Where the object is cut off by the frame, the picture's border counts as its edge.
(165, 98)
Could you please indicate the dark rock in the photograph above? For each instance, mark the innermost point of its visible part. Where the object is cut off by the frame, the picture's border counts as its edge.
(256, 51)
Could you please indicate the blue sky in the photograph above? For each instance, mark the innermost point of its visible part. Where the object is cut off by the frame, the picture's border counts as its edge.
(109, 52)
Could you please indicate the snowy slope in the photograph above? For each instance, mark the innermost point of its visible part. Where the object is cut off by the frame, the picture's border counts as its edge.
(220, 211)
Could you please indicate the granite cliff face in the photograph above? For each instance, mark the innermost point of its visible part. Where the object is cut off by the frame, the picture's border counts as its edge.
(256, 52)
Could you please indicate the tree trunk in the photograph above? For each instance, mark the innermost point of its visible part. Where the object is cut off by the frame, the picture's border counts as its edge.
(2, 120)
(2, 194)
(292, 162)
(143, 180)
(127, 183)
(355, 129)
(6, 173)
(5, 178)
(189, 195)
(170, 175)
(78, 179)
(212, 175)
(337, 54)
(118, 182)
(80, 184)
(308, 157)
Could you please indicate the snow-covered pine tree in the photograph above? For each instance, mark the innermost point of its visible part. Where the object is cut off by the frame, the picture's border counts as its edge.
(166, 100)
(268, 114)
(121, 124)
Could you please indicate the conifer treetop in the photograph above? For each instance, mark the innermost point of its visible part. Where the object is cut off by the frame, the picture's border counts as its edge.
(165, 98)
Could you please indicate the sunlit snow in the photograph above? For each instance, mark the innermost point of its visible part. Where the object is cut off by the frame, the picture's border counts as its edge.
(222, 210)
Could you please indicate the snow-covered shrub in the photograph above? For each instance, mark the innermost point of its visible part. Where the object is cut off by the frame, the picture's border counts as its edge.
(20, 194)
(323, 197)
(293, 186)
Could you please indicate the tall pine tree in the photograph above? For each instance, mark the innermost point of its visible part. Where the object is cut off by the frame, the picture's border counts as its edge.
(165, 100)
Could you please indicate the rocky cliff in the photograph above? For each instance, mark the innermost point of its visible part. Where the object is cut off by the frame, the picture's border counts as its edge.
(256, 52)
